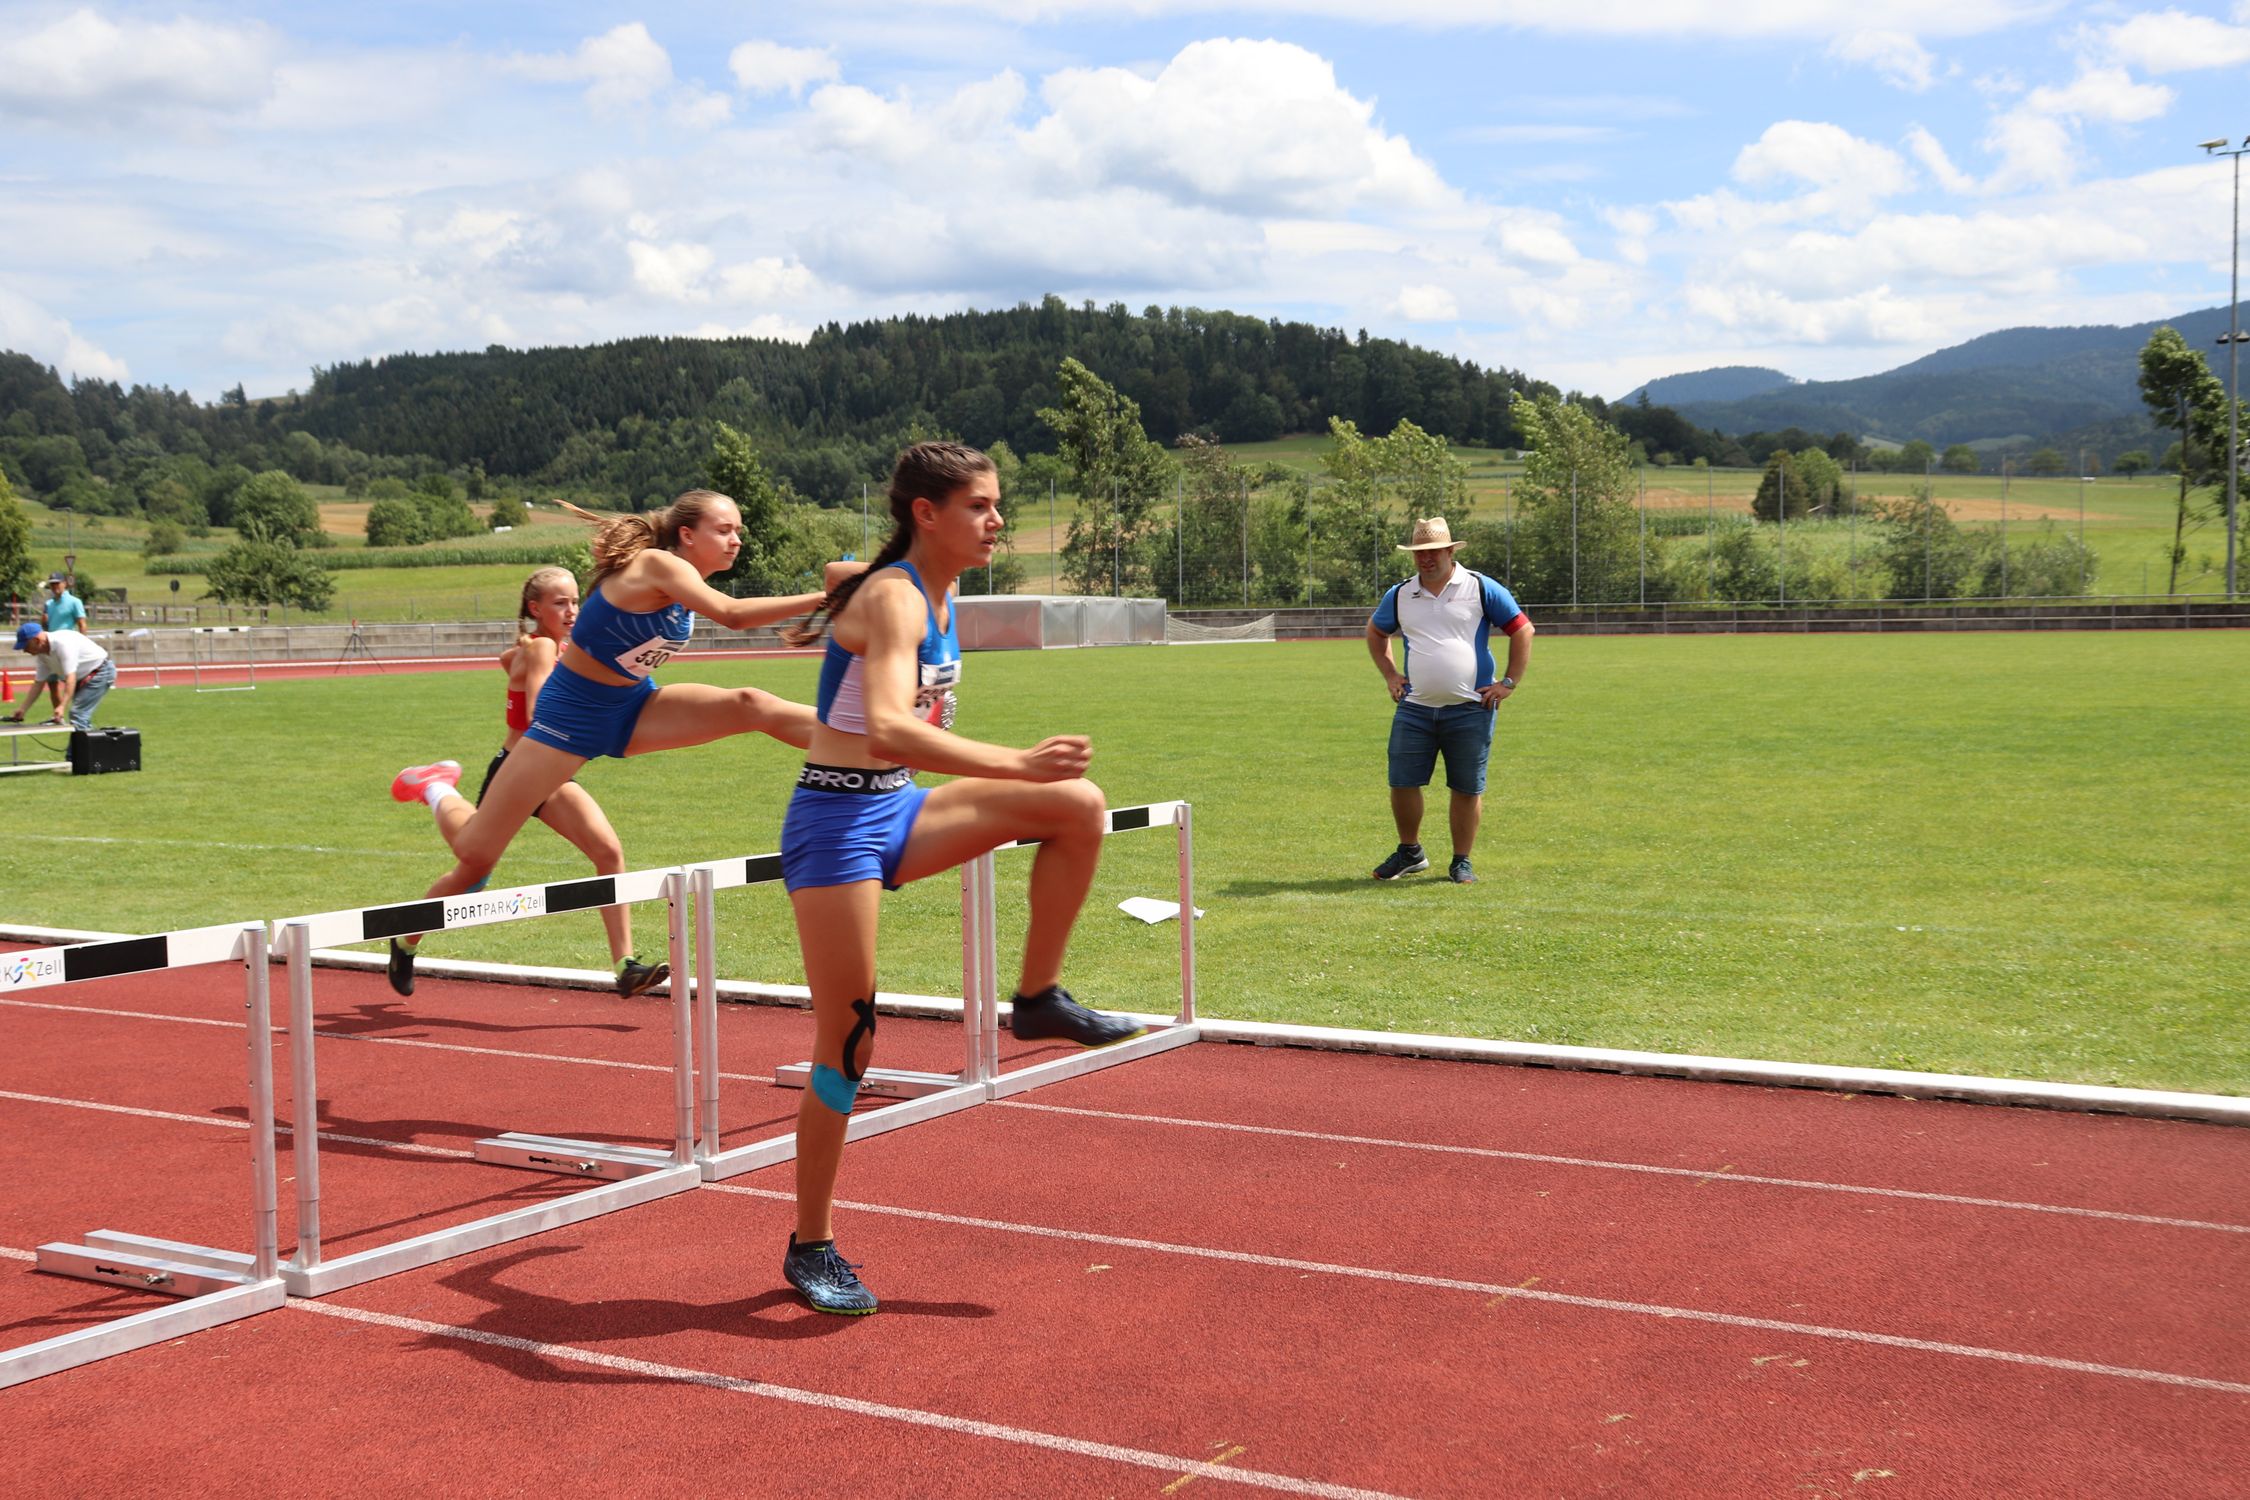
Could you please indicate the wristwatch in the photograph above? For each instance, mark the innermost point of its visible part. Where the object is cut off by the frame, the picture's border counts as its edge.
(1507, 682)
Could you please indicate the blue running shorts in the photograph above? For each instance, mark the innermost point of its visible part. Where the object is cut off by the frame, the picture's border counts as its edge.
(846, 825)
(579, 716)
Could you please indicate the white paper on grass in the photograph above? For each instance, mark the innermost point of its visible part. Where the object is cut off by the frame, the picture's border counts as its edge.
(1151, 910)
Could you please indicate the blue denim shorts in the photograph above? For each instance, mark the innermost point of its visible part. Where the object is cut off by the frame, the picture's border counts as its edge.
(842, 837)
(580, 716)
(1462, 731)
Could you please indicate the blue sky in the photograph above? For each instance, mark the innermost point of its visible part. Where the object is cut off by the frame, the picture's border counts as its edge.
(1593, 193)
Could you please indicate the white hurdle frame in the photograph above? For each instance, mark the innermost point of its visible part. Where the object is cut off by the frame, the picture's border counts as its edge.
(1181, 817)
(631, 1175)
(249, 653)
(926, 1096)
(219, 1286)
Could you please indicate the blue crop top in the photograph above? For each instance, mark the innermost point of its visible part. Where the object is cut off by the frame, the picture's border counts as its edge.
(630, 641)
(841, 704)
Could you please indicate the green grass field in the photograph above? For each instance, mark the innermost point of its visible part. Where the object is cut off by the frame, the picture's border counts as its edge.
(2128, 524)
(2016, 854)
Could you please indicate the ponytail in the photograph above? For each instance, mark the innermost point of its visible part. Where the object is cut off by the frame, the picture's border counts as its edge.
(926, 471)
(623, 538)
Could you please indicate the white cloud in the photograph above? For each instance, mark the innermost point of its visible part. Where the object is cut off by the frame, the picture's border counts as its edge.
(1897, 58)
(1245, 125)
(1533, 239)
(2035, 151)
(768, 279)
(699, 108)
(674, 272)
(623, 66)
(1932, 155)
(2106, 94)
(770, 68)
(31, 329)
(1844, 177)
(2172, 41)
(1425, 304)
(1652, 18)
(89, 70)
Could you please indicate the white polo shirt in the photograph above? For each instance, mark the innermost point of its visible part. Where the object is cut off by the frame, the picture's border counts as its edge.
(72, 654)
(1448, 633)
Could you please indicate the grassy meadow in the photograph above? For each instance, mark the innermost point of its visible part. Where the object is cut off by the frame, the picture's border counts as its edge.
(2127, 523)
(2024, 855)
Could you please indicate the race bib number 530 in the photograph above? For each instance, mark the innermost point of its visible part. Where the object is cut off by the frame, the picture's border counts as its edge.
(647, 657)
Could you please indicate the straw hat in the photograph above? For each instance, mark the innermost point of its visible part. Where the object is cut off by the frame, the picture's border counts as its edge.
(1429, 535)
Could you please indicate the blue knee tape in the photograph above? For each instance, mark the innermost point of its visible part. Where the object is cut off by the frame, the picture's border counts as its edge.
(480, 885)
(835, 1090)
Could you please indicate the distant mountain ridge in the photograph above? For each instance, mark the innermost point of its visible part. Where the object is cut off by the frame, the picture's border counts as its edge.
(2063, 387)
(1720, 384)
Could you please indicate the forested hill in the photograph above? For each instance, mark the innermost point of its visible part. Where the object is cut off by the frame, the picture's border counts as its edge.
(832, 411)
(1724, 383)
(2068, 387)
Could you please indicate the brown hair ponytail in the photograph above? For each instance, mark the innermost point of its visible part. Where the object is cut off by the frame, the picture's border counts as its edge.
(623, 538)
(926, 471)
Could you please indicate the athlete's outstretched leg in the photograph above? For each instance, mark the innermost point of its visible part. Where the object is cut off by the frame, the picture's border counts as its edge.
(478, 835)
(836, 933)
(695, 713)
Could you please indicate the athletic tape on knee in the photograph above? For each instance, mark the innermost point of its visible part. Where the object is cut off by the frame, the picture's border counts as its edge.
(865, 1010)
(833, 1089)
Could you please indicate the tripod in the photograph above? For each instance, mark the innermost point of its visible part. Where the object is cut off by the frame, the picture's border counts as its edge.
(355, 645)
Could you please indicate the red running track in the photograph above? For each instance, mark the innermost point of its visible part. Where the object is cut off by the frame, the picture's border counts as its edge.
(1222, 1268)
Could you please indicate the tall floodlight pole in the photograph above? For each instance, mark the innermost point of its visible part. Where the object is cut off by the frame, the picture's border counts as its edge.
(2233, 340)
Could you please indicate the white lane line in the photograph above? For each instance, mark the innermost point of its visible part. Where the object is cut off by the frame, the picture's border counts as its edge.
(81, 838)
(1703, 1173)
(11, 1253)
(959, 1426)
(1488, 1289)
(381, 1041)
(224, 1123)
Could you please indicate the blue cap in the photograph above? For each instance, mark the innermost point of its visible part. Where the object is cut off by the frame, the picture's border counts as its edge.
(27, 632)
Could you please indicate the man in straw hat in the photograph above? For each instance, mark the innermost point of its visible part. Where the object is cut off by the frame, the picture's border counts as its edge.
(1447, 694)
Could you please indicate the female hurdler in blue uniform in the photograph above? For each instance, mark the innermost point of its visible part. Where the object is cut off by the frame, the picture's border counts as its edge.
(599, 700)
(857, 824)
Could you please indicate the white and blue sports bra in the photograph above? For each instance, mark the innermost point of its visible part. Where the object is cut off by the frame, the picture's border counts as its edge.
(840, 703)
(635, 642)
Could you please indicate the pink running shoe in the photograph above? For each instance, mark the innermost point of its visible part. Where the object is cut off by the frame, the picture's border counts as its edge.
(414, 783)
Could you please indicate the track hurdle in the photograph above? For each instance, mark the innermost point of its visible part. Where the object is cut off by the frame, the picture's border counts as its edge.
(220, 1286)
(923, 1096)
(928, 1095)
(628, 1175)
(196, 642)
(1180, 817)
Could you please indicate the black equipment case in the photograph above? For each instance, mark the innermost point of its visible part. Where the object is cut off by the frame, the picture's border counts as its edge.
(94, 751)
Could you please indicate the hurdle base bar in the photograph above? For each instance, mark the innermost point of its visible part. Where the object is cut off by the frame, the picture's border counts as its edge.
(124, 1335)
(141, 1264)
(554, 1153)
(1093, 1059)
(773, 1153)
(443, 1244)
(889, 1083)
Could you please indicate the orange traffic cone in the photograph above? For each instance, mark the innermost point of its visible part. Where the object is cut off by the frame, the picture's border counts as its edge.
(7, 689)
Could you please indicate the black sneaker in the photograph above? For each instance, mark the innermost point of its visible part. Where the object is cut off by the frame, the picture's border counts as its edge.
(1406, 859)
(637, 978)
(1052, 1013)
(400, 970)
(827, 1280)
(1459, 871)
